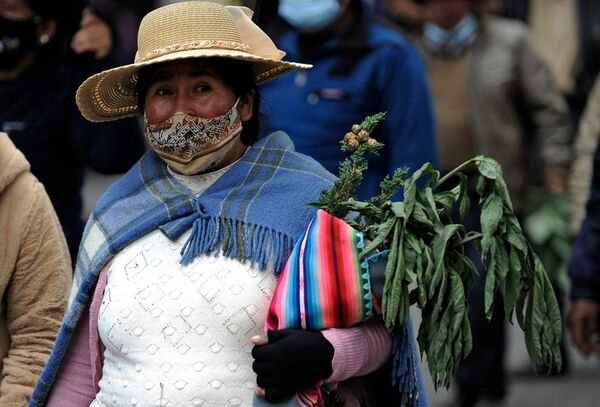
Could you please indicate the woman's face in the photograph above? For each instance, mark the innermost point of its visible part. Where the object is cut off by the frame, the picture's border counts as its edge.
(191, 87)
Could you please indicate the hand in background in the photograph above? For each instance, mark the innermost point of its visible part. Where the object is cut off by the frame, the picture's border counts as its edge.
(583, 324)
(94, 35)
(556, 180)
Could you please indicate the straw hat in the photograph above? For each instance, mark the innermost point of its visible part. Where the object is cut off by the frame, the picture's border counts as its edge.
(195, 29)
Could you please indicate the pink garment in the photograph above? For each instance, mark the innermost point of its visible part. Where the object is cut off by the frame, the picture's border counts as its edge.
(357, 351)
(77, 379)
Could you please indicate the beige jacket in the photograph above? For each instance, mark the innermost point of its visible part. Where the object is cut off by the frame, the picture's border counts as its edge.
(510, 86)
(35, 276)
(585, 145)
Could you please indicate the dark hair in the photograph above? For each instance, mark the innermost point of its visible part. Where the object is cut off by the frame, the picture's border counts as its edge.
(67, 15)
(239, 74)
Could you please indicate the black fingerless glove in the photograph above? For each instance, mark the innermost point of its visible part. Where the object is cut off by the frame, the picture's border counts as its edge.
(292, 361)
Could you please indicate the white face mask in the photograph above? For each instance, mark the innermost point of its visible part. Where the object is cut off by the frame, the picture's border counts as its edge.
(190, 144)
(451, 42)
(311, 15)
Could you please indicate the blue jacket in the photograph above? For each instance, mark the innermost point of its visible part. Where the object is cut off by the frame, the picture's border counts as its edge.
(366, 69)
(584, 267)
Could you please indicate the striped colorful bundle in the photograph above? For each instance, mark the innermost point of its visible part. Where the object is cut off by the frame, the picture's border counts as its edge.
(323, 284)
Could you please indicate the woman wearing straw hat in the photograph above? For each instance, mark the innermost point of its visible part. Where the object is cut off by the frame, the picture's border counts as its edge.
(180, 257)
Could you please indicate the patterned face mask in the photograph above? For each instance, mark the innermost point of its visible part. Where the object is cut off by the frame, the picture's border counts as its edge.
(191, 145)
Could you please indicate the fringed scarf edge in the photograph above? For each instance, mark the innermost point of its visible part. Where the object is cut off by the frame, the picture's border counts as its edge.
(261, 245)
(407, 376)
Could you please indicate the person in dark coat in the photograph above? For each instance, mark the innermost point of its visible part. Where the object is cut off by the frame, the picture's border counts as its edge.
(38, 79)
(584, 270)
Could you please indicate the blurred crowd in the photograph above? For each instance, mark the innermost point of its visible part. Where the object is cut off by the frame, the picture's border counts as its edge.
(512, 79)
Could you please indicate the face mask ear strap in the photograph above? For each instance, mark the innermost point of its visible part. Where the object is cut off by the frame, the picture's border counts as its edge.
(237, 102)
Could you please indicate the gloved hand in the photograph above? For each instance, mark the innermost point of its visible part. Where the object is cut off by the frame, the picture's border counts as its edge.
(292, 360)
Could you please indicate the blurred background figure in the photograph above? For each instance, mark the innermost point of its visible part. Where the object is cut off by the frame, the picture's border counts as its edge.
(493, 95)
(38, 78)
(573, 27)
(584, 269)
(584, 146)
(410, 14)
(35, 277)
(360, 68)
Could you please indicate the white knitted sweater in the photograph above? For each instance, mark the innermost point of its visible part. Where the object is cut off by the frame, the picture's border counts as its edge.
(180, 335)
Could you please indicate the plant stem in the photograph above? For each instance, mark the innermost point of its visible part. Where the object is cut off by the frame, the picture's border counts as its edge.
(469, 238)
(454, 172)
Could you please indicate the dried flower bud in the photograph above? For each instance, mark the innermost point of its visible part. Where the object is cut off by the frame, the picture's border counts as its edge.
(363, 136)
(356, 128)
(349, 136)
(372, 142)
(353, 144)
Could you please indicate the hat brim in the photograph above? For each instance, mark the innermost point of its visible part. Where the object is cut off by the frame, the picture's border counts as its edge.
(111, 94)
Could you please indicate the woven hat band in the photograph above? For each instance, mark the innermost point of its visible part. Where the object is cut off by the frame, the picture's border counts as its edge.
(205, 44)
(179, 24)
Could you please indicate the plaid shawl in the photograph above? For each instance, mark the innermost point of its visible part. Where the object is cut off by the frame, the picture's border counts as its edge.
(255, 212)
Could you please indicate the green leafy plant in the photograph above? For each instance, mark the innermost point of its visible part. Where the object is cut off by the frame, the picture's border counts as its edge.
(547, 227)
(427, 264)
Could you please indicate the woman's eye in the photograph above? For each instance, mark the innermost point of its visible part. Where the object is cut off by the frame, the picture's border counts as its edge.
(162, 92)
(203, 88)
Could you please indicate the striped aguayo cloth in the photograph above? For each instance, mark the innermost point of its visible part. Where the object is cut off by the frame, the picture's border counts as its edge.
(323, 285)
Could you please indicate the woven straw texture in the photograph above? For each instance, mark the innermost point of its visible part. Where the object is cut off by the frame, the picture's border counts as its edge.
(216, 25)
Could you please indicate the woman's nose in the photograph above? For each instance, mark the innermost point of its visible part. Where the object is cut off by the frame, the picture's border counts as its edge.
(184, 104)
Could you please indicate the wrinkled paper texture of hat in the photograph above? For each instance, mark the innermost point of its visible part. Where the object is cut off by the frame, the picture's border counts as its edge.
(260, 44)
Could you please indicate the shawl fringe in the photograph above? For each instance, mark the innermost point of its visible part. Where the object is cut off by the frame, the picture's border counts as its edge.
(406, 374)
(238, 240)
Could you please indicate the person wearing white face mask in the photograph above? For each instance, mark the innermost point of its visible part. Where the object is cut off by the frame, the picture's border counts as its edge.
(180, 257)
(360, 67)
(493, 95)
(312, 15)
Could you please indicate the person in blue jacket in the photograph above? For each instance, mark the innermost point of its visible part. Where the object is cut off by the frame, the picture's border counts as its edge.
(584, 270)
(360, 67)
(38, 79)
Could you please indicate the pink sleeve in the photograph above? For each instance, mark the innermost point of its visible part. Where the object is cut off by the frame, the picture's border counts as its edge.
(96, 345)
(73, 386)
(359, 350)
(77, 379)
